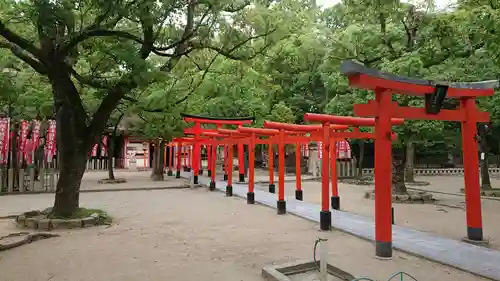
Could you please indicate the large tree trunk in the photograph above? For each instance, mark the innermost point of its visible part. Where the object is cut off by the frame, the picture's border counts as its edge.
(73, 142)
(72, 156)
(158, 171)
(410, 161)
(111, 150)
(484, 149)
(485, 173)
(498, 156)
(361, 158)
(398, 176)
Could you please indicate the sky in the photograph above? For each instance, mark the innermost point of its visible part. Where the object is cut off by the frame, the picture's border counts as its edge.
(327, 3)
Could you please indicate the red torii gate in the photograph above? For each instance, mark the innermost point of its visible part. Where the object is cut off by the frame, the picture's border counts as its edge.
(231, 138)
(383, 109)
(283, 128)
(328, 133)
(179, 143)
(207, 137)
(196, 131)
(254, 133)
(327, 150)
(241, 138)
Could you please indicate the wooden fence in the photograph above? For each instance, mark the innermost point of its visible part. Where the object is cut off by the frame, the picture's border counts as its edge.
(27, 182)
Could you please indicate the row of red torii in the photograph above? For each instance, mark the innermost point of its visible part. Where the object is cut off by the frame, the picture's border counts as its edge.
(384, 114)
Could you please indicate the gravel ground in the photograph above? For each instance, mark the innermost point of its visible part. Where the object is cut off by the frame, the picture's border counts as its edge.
(190, 234)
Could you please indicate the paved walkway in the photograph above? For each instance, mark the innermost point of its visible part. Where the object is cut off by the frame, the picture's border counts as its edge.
(477, 260)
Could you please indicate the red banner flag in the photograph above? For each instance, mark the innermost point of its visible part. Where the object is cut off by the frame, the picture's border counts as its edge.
(104, 145)
(94, 150)
(4, 140)
(50, 146)
(32, 144)
(343, 150)
(25, 125)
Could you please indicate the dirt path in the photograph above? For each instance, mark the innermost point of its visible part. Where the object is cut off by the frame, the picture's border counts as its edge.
(191, 234)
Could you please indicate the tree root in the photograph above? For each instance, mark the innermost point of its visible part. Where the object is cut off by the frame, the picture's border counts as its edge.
(8, 217)
(410, 197)
(30, 237)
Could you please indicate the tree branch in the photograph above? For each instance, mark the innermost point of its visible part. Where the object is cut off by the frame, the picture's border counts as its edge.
(189, 31)
(147, 24)
(82, 36)
(86, 80)
(232, 9)
(101, 17)
(22, 43)
(181, 48)
(18, 52)
(183, 99)
(228, 53)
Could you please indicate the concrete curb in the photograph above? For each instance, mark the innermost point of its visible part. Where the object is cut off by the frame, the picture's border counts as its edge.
(101, 190)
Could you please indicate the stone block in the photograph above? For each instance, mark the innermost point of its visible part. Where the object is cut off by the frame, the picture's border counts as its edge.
(32, 213)
(21, 221)
(427, 197)
(402, 198)
(415, 197)
(44, 224)
(58, 223)
(75, 223)
(32, 223)
(491, 193)
(89, 221)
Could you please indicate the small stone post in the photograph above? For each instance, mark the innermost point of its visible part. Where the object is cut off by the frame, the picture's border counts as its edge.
(52, 180)
(21, 180)
(32, 179)
(10, 186)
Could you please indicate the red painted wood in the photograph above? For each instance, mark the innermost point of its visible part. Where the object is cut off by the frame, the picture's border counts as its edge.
(299, 128)
(241, 161)
(345, 120)
(298, 180)
(251, 163)
(179, 153)
(171, 158)
(230, 164)
(333, 166)
(218, 122)
(258, 131)
(281, 166)
(325, 196)
(270, 152)
(415, 113)
(231, 132)
(471, 165)
(383, 169)
(213, 166)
